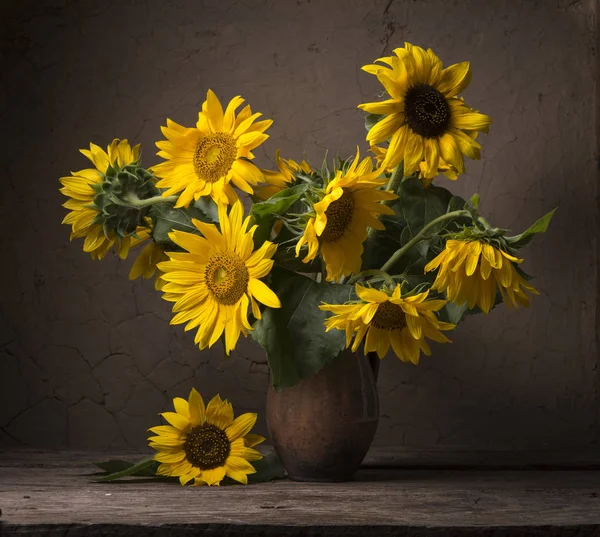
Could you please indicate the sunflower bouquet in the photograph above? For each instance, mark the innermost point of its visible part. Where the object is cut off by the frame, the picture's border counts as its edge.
(365, 252)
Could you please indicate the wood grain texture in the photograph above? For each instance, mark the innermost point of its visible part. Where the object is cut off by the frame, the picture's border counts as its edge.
(57, 498)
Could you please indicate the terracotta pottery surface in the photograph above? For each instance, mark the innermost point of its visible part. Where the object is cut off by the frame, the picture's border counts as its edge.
(322, 427)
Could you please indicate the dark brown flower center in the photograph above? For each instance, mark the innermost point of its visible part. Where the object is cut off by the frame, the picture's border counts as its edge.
(226, 277)
(389, 317)
(214, 156)
(207, 447)
(426, 110)
(339, 215)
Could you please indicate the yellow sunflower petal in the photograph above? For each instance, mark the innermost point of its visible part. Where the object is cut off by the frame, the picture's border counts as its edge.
(241, 426)
(251, 440)
(176, 420)
(370, 295)
(263, 294)
(197, 409)
(219, 413)
(214, 476)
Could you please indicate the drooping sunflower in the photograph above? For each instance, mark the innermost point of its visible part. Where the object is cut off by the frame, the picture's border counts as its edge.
(205, 444)
(350, 204)
(79, 188)
(472, 272)
(276, 181)
(205, 160)
(389, 319)
(217, 278)
(424, 118)
(145, 264)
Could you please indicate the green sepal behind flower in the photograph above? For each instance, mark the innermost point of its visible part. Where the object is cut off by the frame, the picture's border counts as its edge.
(120, 185)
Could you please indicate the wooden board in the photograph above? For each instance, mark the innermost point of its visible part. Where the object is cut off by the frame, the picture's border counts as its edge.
(37, 490)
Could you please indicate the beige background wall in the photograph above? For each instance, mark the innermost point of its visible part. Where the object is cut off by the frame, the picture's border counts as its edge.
(88, 358)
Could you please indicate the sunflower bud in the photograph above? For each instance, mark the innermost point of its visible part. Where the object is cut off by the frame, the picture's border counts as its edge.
(116, 197)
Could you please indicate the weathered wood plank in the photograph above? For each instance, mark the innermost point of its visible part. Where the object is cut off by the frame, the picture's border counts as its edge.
(56, 489)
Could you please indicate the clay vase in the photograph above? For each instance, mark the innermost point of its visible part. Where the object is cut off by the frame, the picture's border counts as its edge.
(323, 426)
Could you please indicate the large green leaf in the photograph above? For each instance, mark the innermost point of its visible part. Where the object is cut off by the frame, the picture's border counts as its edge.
(382, 244)
(415, 207)
(166, 219)
(294, 336)
(418, 205)
(456, 203)
(265, 212)
(527, 236)
(208, 208)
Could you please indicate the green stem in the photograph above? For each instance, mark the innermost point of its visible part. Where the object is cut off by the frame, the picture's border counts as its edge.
(372, 272)
(136, 202)
(421, 236)
(395, 180)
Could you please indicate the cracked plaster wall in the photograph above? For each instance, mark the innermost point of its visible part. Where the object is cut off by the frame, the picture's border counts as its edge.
(88, 358)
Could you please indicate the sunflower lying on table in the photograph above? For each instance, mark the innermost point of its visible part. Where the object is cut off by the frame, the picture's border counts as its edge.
(202, 445)
(360, 253)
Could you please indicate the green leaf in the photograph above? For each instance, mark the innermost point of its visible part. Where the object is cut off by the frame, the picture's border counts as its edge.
(474, 201)
(371, 120)
(208, 208)
(264, 212)
(453, 313)
(294, 336)
(278, 203)
(268, 468)
(118, 469)
(418, 205)
(456, 203)
(114, 465)
(167, 219)
(527, 236)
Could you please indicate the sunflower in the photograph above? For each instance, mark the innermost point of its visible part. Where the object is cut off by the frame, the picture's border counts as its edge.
(424, 118)
(83, 216)
(472, 272)
(350, 203)
(216, 279)
(386, 319)
(204, 445)
(204, 160)
(145, 264)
